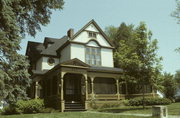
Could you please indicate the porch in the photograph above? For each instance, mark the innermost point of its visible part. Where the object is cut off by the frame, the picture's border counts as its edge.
(76, 83)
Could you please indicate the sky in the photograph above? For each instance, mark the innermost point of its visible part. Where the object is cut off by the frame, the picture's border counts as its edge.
(155, 13)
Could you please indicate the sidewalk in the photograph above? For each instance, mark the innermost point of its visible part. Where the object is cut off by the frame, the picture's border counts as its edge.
(130, 114)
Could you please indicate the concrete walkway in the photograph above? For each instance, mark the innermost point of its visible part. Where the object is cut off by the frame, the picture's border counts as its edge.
(130, 114)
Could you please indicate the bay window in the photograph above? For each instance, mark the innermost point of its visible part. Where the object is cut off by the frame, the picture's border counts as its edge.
(93, 56)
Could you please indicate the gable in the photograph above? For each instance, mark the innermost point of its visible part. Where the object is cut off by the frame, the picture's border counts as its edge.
(82, 36)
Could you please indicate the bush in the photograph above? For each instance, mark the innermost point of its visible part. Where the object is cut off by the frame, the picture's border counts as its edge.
(29, 106)
(93, 105)
(125, 102)
(49, 110)
(110, 105)
(9, 110)
(149, 101)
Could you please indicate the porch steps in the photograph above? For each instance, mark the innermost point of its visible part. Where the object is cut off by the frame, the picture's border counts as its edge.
(73, 107)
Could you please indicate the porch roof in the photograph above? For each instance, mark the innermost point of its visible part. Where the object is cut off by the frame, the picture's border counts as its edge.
(105, 69)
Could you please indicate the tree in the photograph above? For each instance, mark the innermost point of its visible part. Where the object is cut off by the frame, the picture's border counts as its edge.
(135, 53)
(176, 13)
(169, 84)
(17, 18)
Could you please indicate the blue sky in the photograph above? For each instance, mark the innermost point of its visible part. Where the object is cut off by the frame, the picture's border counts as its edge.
(155, 13)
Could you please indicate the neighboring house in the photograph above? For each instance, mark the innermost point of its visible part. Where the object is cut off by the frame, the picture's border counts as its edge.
(177, 96)
(3, 104)
(160, 94)
(76, 69)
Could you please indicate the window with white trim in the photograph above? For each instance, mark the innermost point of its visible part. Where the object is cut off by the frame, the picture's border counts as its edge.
(93, 56)
(92, 34)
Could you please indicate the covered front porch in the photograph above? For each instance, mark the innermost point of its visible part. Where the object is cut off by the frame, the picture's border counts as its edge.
(74, 82)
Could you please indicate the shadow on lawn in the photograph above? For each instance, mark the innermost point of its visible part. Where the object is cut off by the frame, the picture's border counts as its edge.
(121, 110)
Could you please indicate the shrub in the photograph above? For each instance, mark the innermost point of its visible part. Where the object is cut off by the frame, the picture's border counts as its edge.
(49, 110)
(9, 110)
(149, 101)
(125, 102)
(93, 105)
(22, 106)
(110, 105)
(30, 106)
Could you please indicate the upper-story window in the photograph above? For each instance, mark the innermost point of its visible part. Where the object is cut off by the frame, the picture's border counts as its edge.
(92, 34)
(93, 56)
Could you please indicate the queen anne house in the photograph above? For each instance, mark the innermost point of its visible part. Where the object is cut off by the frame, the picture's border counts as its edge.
(71, 72)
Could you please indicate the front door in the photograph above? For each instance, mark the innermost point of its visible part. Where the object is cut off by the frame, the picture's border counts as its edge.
(73, 88)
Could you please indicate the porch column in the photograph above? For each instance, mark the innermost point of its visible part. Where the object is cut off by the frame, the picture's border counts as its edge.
(36, 90)
(86, 95)
(117, 85)
(92, 87)
(62, 92)
(86, 84)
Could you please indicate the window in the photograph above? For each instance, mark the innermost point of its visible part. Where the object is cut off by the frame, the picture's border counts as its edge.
(105, 86)
(92, 34)
(93, 56)
(51, 61)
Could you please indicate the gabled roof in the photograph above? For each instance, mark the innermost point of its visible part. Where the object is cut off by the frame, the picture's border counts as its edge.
(97, 26)
(74, 62)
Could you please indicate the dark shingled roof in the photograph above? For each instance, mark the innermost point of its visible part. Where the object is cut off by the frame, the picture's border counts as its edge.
(105, 69)
(38, 49)
(35, 50)
(49, 40)
(78, 63)
(57, 43)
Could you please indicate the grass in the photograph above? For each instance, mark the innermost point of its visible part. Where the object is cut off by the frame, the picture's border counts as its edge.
(69, 115)
(173, 109)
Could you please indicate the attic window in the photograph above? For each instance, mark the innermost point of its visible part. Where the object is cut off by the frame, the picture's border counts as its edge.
(92, 34)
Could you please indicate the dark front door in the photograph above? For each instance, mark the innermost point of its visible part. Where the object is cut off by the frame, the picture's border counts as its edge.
(72, 88)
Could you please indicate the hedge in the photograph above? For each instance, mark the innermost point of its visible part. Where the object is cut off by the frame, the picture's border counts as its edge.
(22, 106)
(149, 101)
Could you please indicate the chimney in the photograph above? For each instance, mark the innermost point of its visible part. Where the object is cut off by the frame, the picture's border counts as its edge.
(70, 33)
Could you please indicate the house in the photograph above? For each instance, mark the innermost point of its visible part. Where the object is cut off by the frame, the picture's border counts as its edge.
(76, 70)
(177, 93)
(3, 104)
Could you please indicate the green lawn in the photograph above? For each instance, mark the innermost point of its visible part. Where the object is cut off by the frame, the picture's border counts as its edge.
(69, 115)
(173, 109)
